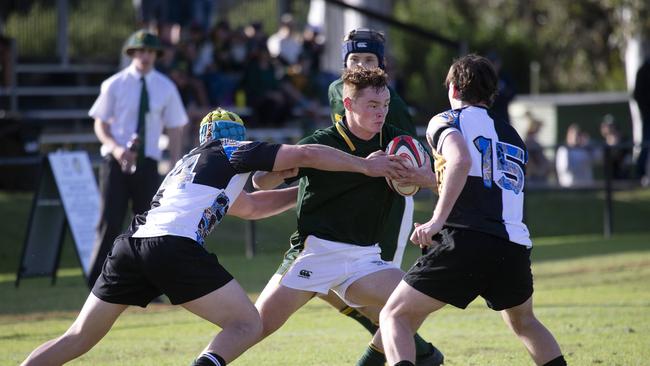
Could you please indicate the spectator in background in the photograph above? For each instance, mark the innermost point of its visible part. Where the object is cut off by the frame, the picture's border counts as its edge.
(256, 38)
(136, 102)
(150, 13)
(6, 62)
(220, 62)
(642, 97)
(239, 52)
(574, 160)
(313, 46)
(506, 90)
(538, 167)
(283, 44)
(263, 92)
(202, 11)
(191, 88)
(618, 151)
(220, 37)
(163, 17)
(176, 63)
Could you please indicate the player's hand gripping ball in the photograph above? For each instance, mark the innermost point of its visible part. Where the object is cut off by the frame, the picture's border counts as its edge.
(413, 152)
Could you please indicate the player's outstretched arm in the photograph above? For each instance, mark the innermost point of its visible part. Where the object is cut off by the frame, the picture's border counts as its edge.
(270, 180)
(262, 204)
(459, 162)
(327, 158)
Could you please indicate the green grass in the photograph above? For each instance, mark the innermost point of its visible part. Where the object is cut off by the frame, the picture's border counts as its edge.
(593, 293)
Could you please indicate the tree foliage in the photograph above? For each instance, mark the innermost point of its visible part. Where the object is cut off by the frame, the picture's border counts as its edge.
(578, 44)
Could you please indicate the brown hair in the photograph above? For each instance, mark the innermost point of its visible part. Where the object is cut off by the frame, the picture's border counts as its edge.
(359, 78)
(475, 79)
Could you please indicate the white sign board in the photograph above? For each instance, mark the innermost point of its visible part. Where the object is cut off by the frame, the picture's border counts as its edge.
(78, 190)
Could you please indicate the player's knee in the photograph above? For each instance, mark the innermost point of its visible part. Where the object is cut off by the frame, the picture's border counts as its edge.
(246, 329)
(269, 325)
(271, 321)
(388, 314)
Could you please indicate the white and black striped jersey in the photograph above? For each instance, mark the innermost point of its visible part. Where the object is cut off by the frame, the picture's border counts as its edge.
(197, 192)
(492, 199)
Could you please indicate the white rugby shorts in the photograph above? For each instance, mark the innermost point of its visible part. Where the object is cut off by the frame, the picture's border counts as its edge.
(329, 265)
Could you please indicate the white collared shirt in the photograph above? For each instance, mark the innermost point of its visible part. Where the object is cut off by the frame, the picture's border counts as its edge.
(118, 105)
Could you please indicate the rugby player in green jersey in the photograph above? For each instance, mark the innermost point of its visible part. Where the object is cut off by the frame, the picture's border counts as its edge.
(341, 219)
(364, 47)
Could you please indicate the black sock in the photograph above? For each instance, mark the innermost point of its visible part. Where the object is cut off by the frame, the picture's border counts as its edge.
(405, 363)
(557, 361)
(422, 347)
(372, 357)
(426, 353)
(354, 314)
(209, 359)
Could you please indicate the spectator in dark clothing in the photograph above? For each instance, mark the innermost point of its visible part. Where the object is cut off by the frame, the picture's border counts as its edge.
(617, 144)
(255, 37)
(263, 92)
(6, 63)
(506, 90)
(539, 167)
(642, 97)
(313, 46)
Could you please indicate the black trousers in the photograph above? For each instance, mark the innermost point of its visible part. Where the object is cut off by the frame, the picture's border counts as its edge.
(116, 189)
(642, 160)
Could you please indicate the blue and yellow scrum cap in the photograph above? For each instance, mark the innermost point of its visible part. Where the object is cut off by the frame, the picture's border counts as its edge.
(221, 124)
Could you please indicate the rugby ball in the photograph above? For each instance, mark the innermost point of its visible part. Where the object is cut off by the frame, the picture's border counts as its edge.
(413, 151)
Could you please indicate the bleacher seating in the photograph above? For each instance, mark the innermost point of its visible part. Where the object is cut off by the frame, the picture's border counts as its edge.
(54, 100)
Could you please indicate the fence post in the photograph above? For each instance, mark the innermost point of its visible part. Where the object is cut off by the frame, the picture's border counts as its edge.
(607, 212)
(250, 239)
(62, 31)
(13, 77)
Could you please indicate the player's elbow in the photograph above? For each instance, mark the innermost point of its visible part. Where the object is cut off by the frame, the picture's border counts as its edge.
(259, 181)
(306, 156)
(245, 213)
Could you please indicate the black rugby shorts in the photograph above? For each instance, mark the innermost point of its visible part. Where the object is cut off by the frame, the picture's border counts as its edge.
(137, 270)
(468, 264)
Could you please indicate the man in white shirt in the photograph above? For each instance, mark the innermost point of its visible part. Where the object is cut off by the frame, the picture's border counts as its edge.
(133, 108)
(282, 44)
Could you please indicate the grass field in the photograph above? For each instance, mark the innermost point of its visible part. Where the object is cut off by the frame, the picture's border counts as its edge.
(593, 293)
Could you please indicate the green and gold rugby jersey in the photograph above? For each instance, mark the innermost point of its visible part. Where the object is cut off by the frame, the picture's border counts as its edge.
(341, 206)
(399, 117)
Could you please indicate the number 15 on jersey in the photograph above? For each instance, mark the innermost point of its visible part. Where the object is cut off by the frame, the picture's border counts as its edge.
(510, 161)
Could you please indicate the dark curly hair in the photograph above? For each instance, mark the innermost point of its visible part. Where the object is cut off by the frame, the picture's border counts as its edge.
(475, 79)
(359, 78)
